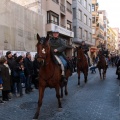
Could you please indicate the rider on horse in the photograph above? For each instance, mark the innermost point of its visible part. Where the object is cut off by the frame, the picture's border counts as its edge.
(105, 53)
(58, 47)
(86, 49)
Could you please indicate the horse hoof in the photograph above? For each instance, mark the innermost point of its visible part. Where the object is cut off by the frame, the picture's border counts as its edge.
(78, 86)
(59, 109)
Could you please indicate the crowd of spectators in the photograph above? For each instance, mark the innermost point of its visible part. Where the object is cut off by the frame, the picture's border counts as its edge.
(17, 73)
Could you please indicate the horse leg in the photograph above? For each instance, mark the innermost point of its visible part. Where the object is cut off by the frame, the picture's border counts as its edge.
(61, 91)
(85, 77)
(66, 91)
(41, 94)
(79, 78)
(100, 73)
(58, 96)
(104, 73)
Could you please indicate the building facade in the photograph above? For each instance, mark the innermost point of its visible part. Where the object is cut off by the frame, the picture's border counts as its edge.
(18, 27)
(57, 15)
(95, 32)
(82, 21)
(105, 24)
(111, 41)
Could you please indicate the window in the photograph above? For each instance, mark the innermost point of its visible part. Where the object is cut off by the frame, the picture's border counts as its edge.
(79, 14)
(89, 23)
(52, 18)
(85, 34)
(80, 32)
(74, 13)
(85, 3)
(93, 7)
(68, 25)
(89, 9)
(74, 30)
(85, 19)
(69, 7)
(93, 19)
(56, 1)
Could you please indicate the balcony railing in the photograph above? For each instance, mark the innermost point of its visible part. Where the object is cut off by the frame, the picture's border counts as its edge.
(62, 8)
(51, 21)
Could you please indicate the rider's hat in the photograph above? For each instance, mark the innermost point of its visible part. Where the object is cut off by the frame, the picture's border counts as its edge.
(55, 31)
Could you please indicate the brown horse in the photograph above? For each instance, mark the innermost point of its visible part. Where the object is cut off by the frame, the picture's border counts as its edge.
(82, 64)
(101, 65)
(50, 72)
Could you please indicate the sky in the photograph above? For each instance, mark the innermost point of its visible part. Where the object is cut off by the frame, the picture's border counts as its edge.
(113, 11)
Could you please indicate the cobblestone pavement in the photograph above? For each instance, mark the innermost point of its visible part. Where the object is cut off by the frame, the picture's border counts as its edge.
(97, 100)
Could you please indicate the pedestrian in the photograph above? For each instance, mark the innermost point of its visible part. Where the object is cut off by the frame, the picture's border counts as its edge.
(18, 75)
(5, 77)
(10, 61)
(28, 64)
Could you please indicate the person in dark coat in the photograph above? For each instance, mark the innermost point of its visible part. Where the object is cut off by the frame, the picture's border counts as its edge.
(11, 61)
(5, 74)
(58, 47)
(18, 69)
(28, 64)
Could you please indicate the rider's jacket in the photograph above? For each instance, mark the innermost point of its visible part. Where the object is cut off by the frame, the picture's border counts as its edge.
(105, 52)
(85, 48)
(59, 44)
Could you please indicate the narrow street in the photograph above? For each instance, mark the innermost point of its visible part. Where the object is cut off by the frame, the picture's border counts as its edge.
(97, 100)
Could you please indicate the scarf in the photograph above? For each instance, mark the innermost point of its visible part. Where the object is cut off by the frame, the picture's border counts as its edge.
(8, 68)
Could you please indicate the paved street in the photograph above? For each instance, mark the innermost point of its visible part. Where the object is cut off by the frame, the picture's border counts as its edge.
(97, 100)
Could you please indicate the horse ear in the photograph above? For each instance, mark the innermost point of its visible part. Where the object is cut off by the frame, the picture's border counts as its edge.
(38, 37)
(47, 37)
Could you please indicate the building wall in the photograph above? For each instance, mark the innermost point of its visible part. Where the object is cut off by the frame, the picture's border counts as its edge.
(19, 32)
(79, 23)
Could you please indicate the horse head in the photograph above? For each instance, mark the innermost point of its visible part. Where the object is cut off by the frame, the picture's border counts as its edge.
(80, 53)
(43, 48)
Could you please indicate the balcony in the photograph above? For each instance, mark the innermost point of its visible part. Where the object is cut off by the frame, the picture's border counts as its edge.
(100, 36)
(62, 8)
(101, 27)
(51, 21)
(62, 30)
